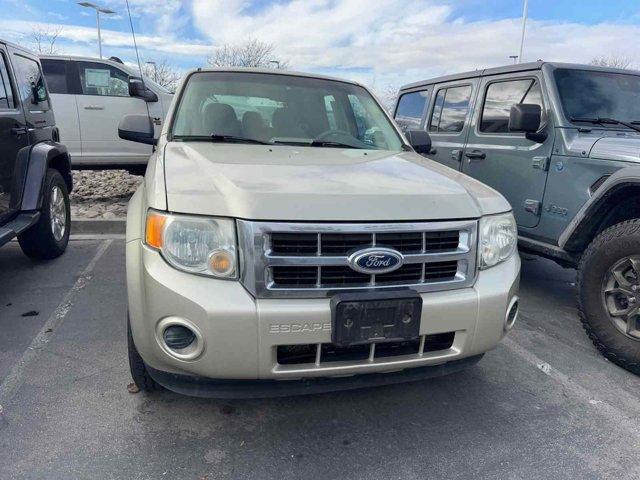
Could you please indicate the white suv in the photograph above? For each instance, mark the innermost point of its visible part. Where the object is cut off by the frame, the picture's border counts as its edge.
(90, 96)
(288, 239)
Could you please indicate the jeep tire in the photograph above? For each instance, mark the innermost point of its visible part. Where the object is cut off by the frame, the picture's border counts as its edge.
(138, 368)
(608, 278)
(49, 237)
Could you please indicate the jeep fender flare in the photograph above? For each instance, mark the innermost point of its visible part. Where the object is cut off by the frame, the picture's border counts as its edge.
(43, 156)
(586, 224)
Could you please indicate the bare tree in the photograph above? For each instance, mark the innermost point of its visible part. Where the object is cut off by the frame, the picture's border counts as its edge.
(44, 37)
(388, 96)
(162, 73)
(252, 53)
(615, 61)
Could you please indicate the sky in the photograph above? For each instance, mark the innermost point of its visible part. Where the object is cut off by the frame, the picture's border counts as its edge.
(381, 43)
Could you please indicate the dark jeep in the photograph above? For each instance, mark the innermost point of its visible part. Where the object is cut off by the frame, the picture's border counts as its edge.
(35, 169)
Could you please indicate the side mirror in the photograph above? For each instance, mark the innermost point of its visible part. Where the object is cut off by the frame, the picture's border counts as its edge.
(525, 117)
(138, 89)
(419, 140)
(137, 128)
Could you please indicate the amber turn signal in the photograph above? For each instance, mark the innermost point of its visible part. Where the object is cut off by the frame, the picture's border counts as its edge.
(155, 225)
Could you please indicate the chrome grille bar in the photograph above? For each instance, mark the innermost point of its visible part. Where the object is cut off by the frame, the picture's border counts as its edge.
(258, 260)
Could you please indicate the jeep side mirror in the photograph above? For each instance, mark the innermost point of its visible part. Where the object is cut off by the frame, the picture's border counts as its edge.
(138, 89)
(526, 117)
(137, 128)
(419, 140)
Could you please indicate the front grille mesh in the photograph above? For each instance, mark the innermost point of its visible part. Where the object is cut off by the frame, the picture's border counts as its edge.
(344, 276)
(305, 260)
(338, 244)
(308, 353)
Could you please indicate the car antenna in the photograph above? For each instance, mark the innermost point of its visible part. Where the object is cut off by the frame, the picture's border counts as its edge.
(135, 45)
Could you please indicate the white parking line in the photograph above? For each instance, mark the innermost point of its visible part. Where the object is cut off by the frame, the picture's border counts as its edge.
(624, 421)
(14, 379)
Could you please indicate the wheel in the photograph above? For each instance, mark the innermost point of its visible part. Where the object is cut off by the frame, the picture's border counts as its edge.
(138, 369)
(139, 170)
(609, 293)
(49, 237)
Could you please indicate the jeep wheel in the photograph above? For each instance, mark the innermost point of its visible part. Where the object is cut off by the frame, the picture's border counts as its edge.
(49, 237)
(138, 369)
(609, 293)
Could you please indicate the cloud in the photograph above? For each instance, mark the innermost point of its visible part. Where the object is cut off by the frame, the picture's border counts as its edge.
(393, 41)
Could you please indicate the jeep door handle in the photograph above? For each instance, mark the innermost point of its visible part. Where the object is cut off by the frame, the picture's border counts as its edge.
(94, 107)
(475, 155)
(18, 131)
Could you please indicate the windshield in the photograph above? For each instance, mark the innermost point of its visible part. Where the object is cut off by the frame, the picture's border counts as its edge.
(593, 94)
(282, 109)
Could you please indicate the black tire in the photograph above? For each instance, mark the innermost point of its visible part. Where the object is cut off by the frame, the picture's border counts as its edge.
(138, 368)
(606, 250)
(137, 170)
(39, 241)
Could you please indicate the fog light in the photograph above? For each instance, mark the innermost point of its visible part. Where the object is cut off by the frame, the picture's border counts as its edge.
(512, 314)
(178, 337)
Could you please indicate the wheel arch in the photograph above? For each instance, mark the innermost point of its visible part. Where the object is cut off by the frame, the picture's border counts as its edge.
(43, 156)
(616, 200)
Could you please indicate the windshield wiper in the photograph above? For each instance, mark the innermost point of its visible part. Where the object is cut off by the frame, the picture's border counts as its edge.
(607, 121)
(329, 143)
(215, 137)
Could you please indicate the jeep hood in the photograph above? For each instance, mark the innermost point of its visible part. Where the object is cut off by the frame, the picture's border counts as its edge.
(318, 184)
(623, 147)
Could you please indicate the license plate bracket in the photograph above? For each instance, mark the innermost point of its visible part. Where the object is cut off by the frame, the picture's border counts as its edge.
(374, 317)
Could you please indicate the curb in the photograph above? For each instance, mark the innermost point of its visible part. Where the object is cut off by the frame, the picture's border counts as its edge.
(91, 226)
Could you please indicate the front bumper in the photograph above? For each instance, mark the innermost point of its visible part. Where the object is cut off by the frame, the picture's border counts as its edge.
(241, 333)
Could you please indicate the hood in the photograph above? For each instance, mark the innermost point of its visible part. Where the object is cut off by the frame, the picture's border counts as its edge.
(623, 147)
(286, 183)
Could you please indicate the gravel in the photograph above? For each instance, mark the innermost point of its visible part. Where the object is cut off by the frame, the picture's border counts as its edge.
(102, 193)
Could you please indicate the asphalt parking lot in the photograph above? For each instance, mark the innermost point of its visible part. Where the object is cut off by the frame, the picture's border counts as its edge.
(545, 404)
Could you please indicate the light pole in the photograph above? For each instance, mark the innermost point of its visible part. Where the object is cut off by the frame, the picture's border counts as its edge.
(524, 25)
(514, 58)
(98, 10)
(277, 62)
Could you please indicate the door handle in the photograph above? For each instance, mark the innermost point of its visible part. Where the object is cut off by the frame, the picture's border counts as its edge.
(94, 107)
(475, 155)
(18, 131)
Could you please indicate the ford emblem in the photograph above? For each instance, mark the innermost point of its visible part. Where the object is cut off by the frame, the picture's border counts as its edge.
(375, 260)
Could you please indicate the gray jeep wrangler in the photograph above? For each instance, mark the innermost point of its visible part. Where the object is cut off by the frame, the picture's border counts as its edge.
(561, 142)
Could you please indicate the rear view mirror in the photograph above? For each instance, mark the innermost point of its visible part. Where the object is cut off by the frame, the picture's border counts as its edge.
(419, 140)
(137, 128)
(138, 89)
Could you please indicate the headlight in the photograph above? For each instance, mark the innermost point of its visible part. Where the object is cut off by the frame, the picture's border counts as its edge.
(202, 245)
(498, 239)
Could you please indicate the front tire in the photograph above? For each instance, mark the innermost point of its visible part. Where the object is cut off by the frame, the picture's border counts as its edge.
(609, 293)
(49, 237)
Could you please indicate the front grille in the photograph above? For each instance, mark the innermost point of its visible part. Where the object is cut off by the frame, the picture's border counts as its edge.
(335, 244)
(330, 353)
(312, 260)
(344, 276)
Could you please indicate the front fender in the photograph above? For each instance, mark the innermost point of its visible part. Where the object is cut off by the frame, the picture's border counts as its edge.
(42, 156)
(586, 222)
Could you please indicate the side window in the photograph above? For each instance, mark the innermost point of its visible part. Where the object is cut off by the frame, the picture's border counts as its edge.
(501, 96)
(6, 93)
(31, 86)
(102, 79)
(450, 110)
(55, 72)
(410, 109)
